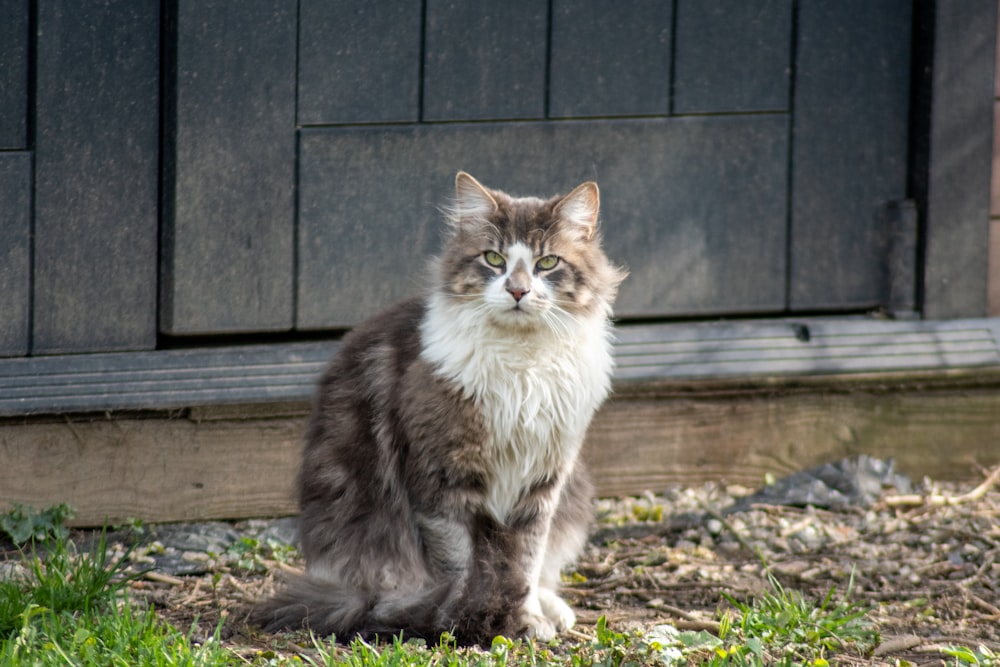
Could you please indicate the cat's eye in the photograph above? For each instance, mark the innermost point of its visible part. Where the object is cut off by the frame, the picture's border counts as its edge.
(494, 258)
(547, 263)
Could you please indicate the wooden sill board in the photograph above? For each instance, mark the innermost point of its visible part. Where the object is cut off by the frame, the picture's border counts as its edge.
(802, 347)
(176, 379)
(163, 380)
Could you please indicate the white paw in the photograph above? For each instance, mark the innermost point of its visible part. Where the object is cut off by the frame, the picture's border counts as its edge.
(538, 627)
(556, 610)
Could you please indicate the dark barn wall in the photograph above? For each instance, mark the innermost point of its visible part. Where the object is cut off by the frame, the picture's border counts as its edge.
(15, 180)
(188, 167)
(15, 252)
(96, 175)
(229, 218)
(954, 155)
(735, 192)
(376, 188)
(850, 149)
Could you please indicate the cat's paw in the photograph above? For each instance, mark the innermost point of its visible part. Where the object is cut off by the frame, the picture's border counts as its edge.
(535, 622)
(556, 610)
(538, 627)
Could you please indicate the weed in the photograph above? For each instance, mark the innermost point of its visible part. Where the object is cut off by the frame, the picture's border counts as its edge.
(25, 524)
(982, 656)
(801, 629)
(248, 554)
(650, 512)
(780, 628)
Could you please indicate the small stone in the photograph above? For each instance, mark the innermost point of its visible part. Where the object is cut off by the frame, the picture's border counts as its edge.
(209, 537)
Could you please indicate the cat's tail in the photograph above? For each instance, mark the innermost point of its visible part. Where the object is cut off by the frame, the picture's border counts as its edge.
(306, 602)
(474, 615)
(328, 608)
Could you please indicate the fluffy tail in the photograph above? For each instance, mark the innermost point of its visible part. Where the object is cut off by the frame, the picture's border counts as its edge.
(474, 616)
(321, 606)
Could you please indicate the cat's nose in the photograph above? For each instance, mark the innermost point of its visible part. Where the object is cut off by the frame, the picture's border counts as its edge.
(517, 292)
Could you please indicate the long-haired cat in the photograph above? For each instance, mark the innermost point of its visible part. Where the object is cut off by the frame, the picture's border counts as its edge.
(440, 486)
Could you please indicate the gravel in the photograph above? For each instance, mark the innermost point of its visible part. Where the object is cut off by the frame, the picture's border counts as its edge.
(925, 556)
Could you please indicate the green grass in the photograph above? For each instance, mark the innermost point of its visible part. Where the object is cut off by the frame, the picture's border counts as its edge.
(62, 607)
(69, 608)
(803, 631)
(123, 635)
(61, 581)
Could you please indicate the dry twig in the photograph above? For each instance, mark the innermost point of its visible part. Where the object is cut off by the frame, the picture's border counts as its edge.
(939, 500)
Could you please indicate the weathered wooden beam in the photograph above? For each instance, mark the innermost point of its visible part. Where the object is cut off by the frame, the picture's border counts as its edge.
(941, 424)
(240, 461)
(158, 467)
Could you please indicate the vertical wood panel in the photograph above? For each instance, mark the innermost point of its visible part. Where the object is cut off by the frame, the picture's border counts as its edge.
(732, 55)
(368, 220)
(14, 74)
(359, 62)
(15, 230)
(995, 166)
(957, 164)
(849, 148)
(694, 206)
(96, 175)
(230, 174)
(993, 290)
(610, 58)
(485, 60)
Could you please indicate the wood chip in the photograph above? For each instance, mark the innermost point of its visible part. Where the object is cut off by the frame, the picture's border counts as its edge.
(896, 644)
(159, 577)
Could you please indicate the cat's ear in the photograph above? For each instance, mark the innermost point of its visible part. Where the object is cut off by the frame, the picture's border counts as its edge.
(472, 200)
(581, 208)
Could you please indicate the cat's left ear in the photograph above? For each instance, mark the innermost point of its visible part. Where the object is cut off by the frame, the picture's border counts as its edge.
(581, 208)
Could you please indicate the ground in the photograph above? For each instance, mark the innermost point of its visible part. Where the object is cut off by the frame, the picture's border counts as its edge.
(926, 561)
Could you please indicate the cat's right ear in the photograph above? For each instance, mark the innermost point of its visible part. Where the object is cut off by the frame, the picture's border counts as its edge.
(472, 200)
(580, 208)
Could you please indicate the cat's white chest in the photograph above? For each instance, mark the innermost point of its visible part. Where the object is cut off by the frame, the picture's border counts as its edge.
(537, 395)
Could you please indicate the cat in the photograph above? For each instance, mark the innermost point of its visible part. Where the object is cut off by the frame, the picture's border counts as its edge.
(441, 487)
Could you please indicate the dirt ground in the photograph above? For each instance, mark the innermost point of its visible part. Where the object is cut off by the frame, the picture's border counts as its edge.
(925, 558)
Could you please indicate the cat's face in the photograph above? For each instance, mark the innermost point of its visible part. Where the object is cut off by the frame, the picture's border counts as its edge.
(525, 262)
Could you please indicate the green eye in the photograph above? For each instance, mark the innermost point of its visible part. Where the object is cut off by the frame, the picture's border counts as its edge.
(547, 263)
(494, 258)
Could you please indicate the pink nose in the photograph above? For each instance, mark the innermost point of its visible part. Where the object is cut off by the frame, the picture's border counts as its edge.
(517, 293)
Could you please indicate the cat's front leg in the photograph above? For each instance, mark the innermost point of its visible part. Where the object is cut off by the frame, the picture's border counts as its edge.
(567, 537)
(544, 612)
